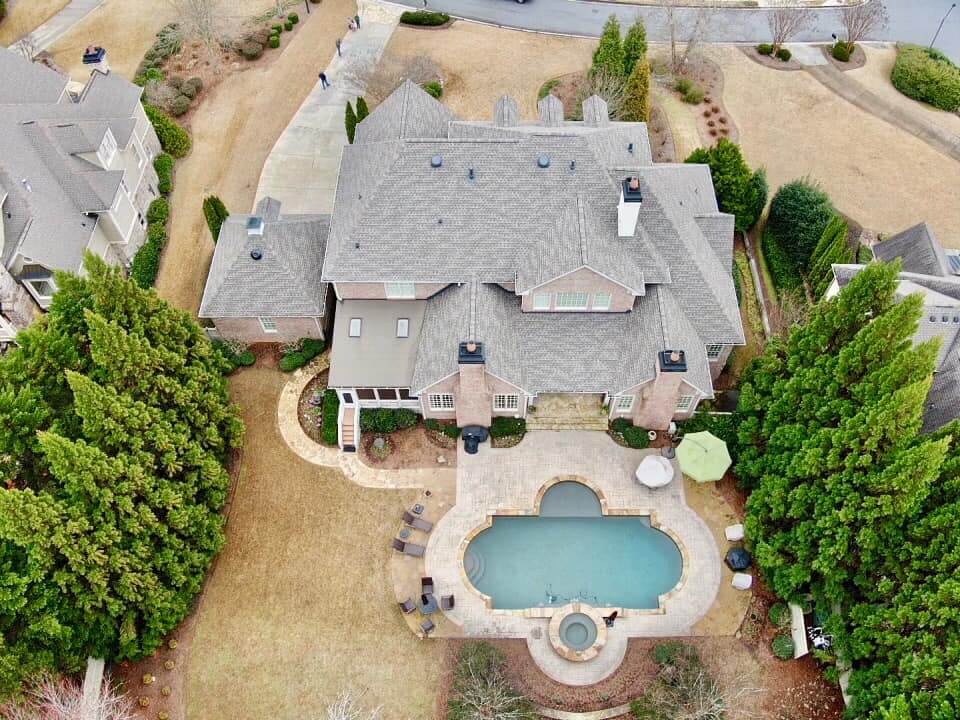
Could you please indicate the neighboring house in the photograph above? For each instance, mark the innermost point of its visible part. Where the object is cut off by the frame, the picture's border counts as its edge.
(76, 174)
(481, 265)
(264, 282)
(935, 274)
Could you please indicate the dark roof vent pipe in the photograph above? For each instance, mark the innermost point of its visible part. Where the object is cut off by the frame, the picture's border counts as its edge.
(256, 253)
(543, 161)
(436, 161)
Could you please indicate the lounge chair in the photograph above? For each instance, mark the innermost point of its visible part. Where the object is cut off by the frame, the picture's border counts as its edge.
(446, 602)
(407, 606)
(417, 523)
(426, 586)
(427, 626)
(408, 548)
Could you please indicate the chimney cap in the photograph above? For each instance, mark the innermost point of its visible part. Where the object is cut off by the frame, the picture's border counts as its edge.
(673, 361)
(470, 353)
(631, 190)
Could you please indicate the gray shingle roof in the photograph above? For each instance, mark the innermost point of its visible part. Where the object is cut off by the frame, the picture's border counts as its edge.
(917, 248)
(943, 400)
(284, 282)
(24, 82)
(409, 112)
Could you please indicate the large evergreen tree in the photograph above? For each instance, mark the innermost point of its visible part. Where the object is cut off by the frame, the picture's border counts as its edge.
(740, 191)
(833, 248)
(114, 428)
(634, 46)
(608, 57)
(636, 100)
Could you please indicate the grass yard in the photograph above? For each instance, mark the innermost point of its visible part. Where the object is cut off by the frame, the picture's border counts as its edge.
(25, 16)
(300, 604)
(880, 176)
(513, 63)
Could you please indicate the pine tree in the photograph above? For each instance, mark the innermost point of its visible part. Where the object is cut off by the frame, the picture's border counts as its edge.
(350, 122)
(636, 102)
(215, 213)
(609, 55)
(362, 110)
(634, 46)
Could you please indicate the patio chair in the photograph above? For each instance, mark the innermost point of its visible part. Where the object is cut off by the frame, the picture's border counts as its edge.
(417, 523)
(408, 548)
(427, 626)
(407, 606)
(446, 602)
(426, 586)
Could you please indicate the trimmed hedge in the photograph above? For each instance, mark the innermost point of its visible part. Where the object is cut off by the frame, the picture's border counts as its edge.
(293, 17)
(783, 647)
(424, 18)
(386, 420)
(842, 50)
(448, 429)
(215, 213)
(784, 54)
(179, 105)
(288, 26)
(765, 49)
(146, 263)
(783, 272)
(331, 409)
(235, 359)
(309, 348)
(274, 41)
(927, 75)
(163, 164)
(635, 437)
(799, 214)
(251, 50)
(507, 427)
(158, 212)
(173, 139)
(434, 89)
(779, 615)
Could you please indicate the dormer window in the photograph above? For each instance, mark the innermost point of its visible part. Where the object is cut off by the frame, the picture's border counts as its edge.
(108, 149)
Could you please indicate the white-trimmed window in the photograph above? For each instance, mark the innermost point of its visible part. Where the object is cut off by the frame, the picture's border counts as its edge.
(355, 326)
(506, 402)
(107, 149)
(541, 301)
(602, 300)
(42, 288)
(713, 351)
(685, 402)
(572, 301)
(400, 290)
(268, 325)
(403, 327)
(623, 403)
(441, 401)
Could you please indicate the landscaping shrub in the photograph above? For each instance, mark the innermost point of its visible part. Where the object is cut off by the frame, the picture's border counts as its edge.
(842, 50)
(740, 191)
(331, 408)
(424, 18)
(720, 425)
(3, 9)
(233, 355)
(163, 165)
(784, 54)
(362, 109)
(175, 81)
(192, 87)
(150, 75)
(251, 50)
(386, 420)
(689, 91)
(547, 88)
(765, 49)
(146, 262)
(783, 647)
(864, 254)
(927, 75)
(783, 272)
(215, 213)
(779, 615)
(666, 653)
(635, 437)
(480, 687)
(293, 17)
(307, 350)
(507, 427)
(288, 26)
(448, 429)
(274, 41)
(350, 122)
(179, 105)
(173, 139)
(799, 214)
(433, 88)
(276, 29)
(158, 212)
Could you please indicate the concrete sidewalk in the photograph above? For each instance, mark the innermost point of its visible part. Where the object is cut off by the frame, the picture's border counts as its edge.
(57, 26)
(301, 170)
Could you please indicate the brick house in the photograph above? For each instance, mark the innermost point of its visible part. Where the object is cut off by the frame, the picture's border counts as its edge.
(480, 267)
(76, 174)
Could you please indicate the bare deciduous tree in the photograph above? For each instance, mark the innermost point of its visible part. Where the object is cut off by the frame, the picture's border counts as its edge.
(690, 692)
(202, 20)
(861, 21)
(786, 22)
(483, 695)
(348, 707)
(687, 27)
(376, 80)
(606, 85)
(50, 698)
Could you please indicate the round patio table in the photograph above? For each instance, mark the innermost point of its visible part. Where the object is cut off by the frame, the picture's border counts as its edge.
(428, 604)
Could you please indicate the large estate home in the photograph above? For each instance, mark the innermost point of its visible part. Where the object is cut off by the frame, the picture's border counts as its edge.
(935, 274)
(76, 174)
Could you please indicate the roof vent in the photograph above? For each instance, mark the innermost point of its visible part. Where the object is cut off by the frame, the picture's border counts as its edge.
(26, 185)
(543, 161)
(255, 225)
(673, 361)
(471, 174)
(436, 161)
(470, 353)
(630, 148)
(256, 253)
(573, 165)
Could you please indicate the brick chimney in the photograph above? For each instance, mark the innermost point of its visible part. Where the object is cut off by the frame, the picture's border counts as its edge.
(474, 401)
(658, 399)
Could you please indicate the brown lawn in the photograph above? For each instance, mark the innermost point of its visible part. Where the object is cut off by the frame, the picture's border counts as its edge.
(300, 605)
(25, 16)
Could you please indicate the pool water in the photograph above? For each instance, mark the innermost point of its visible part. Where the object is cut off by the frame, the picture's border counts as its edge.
(572, 552)
(578, 631)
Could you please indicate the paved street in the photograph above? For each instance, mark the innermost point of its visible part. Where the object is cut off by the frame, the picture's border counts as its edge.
(910, 20)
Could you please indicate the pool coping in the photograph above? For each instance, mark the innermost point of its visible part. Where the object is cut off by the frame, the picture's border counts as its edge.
(605, 511)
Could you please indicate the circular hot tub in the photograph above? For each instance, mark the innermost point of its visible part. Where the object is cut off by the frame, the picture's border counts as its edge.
(577, 632)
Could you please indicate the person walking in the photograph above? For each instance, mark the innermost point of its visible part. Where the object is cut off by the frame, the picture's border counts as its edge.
(357, 19)
(339, 52)
(324, 83)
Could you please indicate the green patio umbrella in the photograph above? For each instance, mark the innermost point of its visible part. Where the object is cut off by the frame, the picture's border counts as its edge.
(703, 456)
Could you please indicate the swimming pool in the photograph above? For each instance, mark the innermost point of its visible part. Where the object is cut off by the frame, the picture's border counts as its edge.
(571, 551)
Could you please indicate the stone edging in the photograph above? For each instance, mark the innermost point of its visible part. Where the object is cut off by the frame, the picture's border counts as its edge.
(348, 463)
(608, 714)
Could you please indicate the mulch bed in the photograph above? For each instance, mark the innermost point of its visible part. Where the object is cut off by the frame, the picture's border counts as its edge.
(713, 120)
(310, 416)
(857, 60)
(507, 441)
(769, 60)
(412, 448)
(661, 136)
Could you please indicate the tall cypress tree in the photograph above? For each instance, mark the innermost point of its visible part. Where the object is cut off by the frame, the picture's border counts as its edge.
(609, 57)
(350, 122)
(636, 101)
(634, 46)
(362, 110)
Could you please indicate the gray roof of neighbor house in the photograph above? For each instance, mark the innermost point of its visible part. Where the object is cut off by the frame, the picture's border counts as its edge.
(943, 400)
(284, 281)
(43, 133)
(917, 248)
(546, 352)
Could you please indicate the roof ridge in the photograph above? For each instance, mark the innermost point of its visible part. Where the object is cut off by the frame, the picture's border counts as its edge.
(581, 228)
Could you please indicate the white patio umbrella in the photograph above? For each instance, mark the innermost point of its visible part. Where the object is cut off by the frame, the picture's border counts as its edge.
(654, 471)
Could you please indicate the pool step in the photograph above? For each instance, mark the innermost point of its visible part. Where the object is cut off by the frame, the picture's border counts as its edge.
(539, 422)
